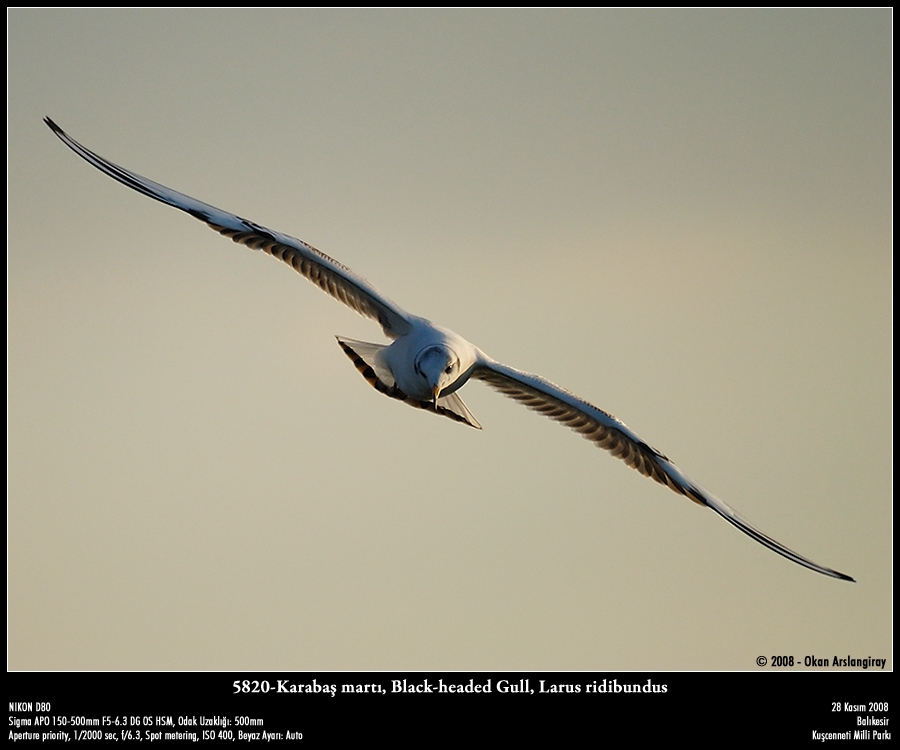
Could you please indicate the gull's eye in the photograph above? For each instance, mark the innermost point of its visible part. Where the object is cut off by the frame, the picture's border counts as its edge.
(449, 369)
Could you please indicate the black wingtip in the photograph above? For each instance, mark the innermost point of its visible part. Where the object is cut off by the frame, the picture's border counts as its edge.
(53, 126)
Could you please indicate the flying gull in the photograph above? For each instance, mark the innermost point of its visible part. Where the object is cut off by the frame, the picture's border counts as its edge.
(426, 365)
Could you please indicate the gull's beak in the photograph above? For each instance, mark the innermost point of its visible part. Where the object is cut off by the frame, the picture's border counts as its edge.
(436, 392)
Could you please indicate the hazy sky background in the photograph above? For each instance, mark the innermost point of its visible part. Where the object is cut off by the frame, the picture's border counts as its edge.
(682, 216)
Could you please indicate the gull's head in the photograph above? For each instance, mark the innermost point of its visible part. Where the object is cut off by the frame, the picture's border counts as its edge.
(438, 366)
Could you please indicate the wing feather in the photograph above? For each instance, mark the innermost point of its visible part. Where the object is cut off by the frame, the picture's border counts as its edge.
(325, 272)
(535, 392)
(604, 430)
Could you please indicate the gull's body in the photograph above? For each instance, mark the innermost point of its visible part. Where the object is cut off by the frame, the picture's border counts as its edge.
(426, 365)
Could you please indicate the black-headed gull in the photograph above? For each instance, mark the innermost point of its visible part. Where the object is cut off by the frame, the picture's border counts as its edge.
(426, 365)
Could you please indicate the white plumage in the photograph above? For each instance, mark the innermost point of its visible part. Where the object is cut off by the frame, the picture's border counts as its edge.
(426, 365)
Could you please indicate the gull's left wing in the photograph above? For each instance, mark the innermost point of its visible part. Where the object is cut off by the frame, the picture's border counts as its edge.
(326, 273)
(609, 433)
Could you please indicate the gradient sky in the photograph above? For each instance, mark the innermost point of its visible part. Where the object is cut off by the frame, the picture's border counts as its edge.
(682, 216)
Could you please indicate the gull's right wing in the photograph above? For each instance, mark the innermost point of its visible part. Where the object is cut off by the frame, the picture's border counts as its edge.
(326, 273)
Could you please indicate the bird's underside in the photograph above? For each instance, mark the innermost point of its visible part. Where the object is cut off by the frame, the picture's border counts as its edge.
(361, 355)
(425, 365)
